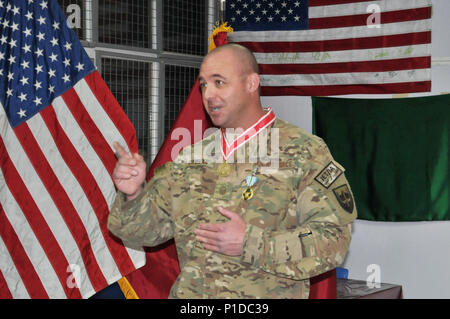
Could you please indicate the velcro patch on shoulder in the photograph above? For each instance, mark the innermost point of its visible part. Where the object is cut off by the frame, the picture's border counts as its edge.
(328, 175)
(344, 197)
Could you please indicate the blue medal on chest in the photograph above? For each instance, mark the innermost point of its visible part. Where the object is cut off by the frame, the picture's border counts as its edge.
(250, 180)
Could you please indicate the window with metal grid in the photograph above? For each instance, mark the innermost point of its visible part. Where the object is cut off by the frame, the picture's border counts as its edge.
(125, 22)
(179, 81)
(130, 82)
(185, 26)
(154, 70)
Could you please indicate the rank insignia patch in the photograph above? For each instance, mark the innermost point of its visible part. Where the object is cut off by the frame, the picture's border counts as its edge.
(344, 197)
(328, 175)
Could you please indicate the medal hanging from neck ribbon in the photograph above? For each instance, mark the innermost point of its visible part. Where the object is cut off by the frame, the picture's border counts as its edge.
(264, 121)
(224, 169)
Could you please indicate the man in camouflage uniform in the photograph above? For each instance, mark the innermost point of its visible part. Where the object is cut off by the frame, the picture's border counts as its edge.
(244, 226)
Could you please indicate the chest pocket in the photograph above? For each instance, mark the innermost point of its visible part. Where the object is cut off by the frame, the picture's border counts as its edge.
(196, 187)
(198, 180)
(193, 188)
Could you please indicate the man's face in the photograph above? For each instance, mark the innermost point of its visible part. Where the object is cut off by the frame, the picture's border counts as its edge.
(223, 87)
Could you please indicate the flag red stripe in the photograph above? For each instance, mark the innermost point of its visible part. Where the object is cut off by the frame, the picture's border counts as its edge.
(37, 223)
(5, 293)
(63, 203)
(361, 19)
(113, 109)
(346, 67)
(405, 15)
(341, 44)
(318, 3)
(89, 186)
(24, 267)
(90, 129)
(324, 90)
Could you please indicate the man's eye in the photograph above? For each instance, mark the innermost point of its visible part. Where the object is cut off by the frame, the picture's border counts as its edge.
(220, 82)
(203, 85)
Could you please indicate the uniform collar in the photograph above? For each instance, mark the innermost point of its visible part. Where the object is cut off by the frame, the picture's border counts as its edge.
(228, 148)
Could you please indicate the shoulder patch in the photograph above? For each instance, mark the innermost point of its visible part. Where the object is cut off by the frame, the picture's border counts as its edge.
(328, 175)
(344, 197)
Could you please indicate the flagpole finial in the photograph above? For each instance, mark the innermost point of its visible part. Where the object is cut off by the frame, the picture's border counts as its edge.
(222, 27)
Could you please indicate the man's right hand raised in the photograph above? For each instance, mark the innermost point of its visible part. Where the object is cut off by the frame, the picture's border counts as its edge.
(129, 173)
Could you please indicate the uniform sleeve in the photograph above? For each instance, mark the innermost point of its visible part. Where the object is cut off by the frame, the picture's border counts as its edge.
(145, 220)
(325, 209)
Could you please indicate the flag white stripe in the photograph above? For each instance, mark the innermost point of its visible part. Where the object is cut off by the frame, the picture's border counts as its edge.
(98, 114)
(86, 151)
(31, 245)
(137, 256)
(111, 134)
(332, 33)
(75, 193)
(377, 54)
(362, 7)
(10, 273)
(346, 78)
(43, 200)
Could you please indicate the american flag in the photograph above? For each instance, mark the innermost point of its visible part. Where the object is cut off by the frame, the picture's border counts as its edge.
(58, 120)
(333, 47)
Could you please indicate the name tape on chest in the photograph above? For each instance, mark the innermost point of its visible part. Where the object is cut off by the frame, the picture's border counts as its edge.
(328, 175)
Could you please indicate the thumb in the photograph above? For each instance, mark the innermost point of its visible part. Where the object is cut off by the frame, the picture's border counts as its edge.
(228, 213)
(138, 157)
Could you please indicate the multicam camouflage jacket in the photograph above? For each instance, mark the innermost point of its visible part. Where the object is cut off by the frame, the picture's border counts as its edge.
(297, 219)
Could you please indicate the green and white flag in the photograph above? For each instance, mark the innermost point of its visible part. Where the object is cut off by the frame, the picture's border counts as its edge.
(395, 152)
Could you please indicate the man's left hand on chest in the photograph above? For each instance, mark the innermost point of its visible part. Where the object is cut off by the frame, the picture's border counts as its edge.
(225, 238)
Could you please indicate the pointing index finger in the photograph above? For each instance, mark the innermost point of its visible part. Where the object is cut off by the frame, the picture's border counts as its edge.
(120, 150)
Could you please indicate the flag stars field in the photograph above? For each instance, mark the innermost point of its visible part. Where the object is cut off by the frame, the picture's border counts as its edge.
(20, 27)
(21, 113)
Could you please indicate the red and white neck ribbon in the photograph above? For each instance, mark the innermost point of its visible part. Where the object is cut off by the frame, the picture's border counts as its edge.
(263, 122)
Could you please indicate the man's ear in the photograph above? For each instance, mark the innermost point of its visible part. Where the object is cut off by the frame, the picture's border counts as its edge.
(253, 82)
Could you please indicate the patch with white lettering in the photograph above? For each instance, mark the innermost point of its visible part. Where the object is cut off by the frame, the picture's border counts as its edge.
(328, 175)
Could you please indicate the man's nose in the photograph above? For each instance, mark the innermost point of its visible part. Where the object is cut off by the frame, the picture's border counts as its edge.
(208, 92)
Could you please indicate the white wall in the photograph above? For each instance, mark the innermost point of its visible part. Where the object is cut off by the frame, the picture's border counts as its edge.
(415, 255)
